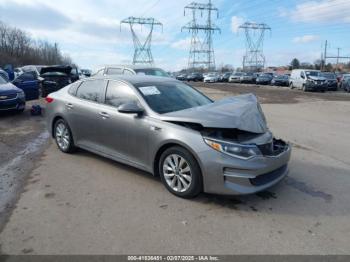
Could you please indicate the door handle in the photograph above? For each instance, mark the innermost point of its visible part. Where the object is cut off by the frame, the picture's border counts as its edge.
(104, 115)
(70, 106)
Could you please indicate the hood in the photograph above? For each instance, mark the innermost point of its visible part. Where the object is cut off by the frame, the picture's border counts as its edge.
(317, 78)
(8, 88)
(241, 112)
(61, 69)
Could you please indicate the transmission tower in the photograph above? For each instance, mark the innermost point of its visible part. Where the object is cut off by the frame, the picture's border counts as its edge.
(254, 58)
(202, 51)
(142, 53)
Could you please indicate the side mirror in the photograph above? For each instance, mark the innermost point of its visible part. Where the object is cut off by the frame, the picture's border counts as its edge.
(302, 76)
(130, 108)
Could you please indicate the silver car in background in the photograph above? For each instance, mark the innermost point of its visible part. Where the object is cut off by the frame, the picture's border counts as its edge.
(110, 70)
(169, 129)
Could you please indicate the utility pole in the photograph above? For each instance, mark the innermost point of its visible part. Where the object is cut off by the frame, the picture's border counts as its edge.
(338, 57)
(254, 58)
(201, 51)
(142, 52)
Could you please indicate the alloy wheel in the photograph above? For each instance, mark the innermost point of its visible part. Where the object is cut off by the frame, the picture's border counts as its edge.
(177, 173)
(62, 136)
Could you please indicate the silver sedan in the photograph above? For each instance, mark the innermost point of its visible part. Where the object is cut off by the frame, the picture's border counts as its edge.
(171, 130)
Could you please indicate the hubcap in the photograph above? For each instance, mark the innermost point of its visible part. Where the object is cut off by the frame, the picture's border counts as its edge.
(62, 136)
(177, 173)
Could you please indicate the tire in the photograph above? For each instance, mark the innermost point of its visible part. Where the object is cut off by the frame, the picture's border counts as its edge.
(291, 85)
(63, 137)
(304, 88)
(175, 177)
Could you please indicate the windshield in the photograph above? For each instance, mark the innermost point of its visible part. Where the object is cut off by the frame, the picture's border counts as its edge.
(282, 77)
(328, 75)
(312, 73)
(2, 81)
(152, 72)
(169, 97)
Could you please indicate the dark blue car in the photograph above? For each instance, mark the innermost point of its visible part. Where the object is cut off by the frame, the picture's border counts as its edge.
(11, 97)
(29, 83)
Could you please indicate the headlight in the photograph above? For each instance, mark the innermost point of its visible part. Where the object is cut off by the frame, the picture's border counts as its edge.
(21, 95)
(235, 150)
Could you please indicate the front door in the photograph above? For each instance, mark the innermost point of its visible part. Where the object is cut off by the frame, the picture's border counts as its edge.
(123, 136)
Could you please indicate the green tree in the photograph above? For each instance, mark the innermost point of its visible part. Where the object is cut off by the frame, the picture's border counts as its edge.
(295, 64)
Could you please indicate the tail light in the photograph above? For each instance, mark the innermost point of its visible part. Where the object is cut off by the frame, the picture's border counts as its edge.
(49, 100)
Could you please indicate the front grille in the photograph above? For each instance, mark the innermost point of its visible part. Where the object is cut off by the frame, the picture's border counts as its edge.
(8, 97)
(269, 177)
(7, 107)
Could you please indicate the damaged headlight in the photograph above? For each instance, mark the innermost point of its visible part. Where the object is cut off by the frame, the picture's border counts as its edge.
(235, 150)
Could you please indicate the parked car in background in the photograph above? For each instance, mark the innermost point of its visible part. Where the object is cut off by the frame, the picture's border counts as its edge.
(30, 85)
(195, 77)
(191, 142)
(182, 77)
(264, 79)
(75, 74)
(18, 72)
(12, 98)
(280, 80)
(331, 79)
(55, 78)
(10, 71)
(225, 77)
(247, 78)
(211, 78)
(235, 77)
(342, 79)
(130, 70)
(86, 72)
(346, 84)
(308, 80)
(4, 75)
(33, 68)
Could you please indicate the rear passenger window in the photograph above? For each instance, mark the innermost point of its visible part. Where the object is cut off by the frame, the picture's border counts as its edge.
(74, 87)
(91, 90)
(119, 93)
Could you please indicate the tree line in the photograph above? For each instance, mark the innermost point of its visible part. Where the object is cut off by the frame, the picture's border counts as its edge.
(18, 48)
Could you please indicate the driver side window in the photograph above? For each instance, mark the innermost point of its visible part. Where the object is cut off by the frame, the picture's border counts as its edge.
(118, 93)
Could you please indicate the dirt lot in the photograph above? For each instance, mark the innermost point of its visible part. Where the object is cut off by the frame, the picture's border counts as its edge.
(85, 204)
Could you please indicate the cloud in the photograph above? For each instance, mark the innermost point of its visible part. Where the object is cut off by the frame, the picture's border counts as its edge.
(236, 22)
(37, 16)
(182, 44)
(305, 39)
(327, 11)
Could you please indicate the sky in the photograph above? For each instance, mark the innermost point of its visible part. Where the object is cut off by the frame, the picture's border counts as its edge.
(90, 32)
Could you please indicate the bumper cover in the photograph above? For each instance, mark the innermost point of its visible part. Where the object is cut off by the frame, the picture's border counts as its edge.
(226, 175)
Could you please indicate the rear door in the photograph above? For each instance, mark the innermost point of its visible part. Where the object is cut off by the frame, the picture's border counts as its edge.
(29, 84)
(83, 114)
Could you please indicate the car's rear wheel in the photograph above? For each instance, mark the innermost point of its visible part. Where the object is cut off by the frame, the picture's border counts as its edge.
(63, 137)
(180, 172)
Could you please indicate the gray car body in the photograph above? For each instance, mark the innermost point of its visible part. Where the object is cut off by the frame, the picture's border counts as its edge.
(139, 140)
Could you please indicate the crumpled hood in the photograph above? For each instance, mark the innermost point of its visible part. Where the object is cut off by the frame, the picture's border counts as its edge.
(240, 112)
(8, 88)
(317, 78)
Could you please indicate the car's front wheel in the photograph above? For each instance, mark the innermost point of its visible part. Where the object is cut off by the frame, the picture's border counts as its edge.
(180, 172)
(63, 137)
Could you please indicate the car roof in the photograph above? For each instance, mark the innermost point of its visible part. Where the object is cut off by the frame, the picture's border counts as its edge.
(136, 79)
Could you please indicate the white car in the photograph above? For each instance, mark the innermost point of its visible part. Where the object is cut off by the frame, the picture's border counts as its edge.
(211, 78)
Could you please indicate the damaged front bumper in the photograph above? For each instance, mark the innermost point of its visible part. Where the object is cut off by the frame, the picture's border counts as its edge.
(224, 174)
